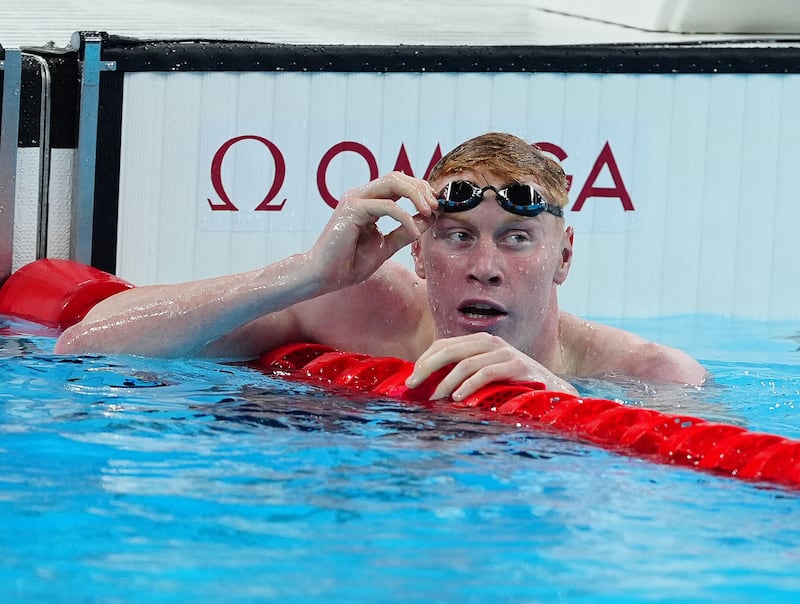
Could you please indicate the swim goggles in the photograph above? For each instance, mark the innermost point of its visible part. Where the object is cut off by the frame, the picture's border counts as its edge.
(524, 200)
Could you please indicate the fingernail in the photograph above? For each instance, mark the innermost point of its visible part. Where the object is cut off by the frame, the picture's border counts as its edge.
(437, 395)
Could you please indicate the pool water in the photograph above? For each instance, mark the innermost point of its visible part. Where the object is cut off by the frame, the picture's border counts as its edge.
(128, 479)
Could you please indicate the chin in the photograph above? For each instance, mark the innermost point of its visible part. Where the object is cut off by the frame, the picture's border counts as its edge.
(465, 330)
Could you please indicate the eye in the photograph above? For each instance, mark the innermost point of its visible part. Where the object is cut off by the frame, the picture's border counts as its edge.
(458, 236)
(453, 235)
(517, 241)
(518, 237)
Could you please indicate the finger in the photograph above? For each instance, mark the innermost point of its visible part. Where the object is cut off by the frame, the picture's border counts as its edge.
(457, 348)
(470, 375)
(398, 239)
(428, 201)
(425, 365)
(364, 211)
(446, 352)
(401, 236)
(375, 209)
(396, 185)
(474, 373)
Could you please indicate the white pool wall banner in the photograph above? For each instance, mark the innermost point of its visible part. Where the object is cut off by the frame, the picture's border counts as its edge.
(683, 177)
(697, 173)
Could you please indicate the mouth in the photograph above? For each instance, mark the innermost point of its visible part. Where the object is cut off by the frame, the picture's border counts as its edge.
(481, 311)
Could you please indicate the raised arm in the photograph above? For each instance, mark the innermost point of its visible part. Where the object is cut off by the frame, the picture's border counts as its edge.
(196, 317)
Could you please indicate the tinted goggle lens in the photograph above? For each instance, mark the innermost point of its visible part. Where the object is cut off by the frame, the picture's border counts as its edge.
(522, 195)
(462, 195)
(461, 191)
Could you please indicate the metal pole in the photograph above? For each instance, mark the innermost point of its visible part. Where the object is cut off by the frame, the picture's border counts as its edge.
(83, 199)
(9, 140)
(43, 208)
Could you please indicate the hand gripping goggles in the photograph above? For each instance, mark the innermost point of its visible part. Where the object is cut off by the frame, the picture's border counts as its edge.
(524, 200)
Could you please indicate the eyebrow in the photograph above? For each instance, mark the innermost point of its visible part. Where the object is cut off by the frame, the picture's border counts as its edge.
(510, 220)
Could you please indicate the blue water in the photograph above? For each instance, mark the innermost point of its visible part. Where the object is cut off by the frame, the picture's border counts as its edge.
(126, 479)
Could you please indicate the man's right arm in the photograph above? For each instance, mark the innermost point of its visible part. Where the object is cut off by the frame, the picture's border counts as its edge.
(227, 316)
(182, 320)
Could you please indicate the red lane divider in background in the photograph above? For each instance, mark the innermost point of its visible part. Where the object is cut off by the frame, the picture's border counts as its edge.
(56, 293)
(675, 439)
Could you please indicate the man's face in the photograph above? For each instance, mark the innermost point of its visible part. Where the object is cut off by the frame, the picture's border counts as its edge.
(488, 270)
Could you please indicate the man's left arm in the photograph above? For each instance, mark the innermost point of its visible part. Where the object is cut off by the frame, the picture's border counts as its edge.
(606, 350)
(655, 362)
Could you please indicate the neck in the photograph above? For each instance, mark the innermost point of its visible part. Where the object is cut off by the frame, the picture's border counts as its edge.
(425, 332)
(546, 347)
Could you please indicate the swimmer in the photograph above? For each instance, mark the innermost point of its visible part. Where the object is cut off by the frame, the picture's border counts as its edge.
(490, 249)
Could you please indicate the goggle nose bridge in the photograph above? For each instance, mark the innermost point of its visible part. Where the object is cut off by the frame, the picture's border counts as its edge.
(488, 188)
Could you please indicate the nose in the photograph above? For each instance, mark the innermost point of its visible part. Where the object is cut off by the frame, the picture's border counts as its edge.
(485, 263)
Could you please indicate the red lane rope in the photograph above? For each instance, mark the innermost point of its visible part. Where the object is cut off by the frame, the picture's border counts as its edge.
(60, 292)
(674, 439)
(55, 292)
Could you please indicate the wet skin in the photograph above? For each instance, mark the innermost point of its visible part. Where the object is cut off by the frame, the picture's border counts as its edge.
(488, 270)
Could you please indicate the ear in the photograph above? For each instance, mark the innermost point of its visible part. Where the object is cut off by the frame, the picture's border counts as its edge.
(416, 254)
(566, 256)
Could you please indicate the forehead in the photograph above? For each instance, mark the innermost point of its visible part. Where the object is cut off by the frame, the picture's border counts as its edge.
(483, 178)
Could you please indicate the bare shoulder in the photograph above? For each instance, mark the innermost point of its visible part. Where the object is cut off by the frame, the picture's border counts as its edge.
(595, 349)
(382, 316)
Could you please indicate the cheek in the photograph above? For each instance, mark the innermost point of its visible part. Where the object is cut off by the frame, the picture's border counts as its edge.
(441, 272)
(438, 273)
(535, 272)
(434, 259)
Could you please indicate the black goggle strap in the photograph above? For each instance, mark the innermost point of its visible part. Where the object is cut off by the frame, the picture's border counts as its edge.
(462, 195)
